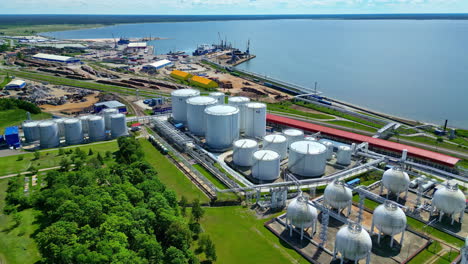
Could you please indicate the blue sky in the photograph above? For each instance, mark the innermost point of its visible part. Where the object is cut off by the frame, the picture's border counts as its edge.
(202, 7)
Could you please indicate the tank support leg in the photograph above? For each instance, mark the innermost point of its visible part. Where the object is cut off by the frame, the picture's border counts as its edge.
(461, 216)
(453, 219)
(349, 208)
(397, 197)
(402, 236)
(391, 241)
(368, 258)
(372, 227)
(302, 231)
(381, 188)
(387, 194)
(342, 259)
(441, 214)
(406, 195)
(378, 237)
(290, 229)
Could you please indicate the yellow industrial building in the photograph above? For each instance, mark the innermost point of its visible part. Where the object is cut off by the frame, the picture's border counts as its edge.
(181, 75)
(203, 82)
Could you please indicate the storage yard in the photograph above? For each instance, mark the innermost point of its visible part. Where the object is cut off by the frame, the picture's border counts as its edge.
(306, 178)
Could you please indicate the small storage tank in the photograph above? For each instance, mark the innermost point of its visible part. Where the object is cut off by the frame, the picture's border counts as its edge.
(31, 131)
(49, 137)
(196, 120)
(222, 126)
(309, 138)
(301, 214)
(449, 200)
(243, 152)
(343, 156)
(118, 125)
(337, 195)
(107, 113)
(329, 146)
(60, 126)
(396, 180)
(255, 120)
(293, 135)
(266, 165)
(97, 130)
(307, 158)
(73, 131)
(389, 218)
(179, 104)
(353, 242)
(84, 123)
(240, 102)
(219, 96)
(277, 143)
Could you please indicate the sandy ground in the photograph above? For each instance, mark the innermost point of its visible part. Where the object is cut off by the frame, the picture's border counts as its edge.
(71, 107)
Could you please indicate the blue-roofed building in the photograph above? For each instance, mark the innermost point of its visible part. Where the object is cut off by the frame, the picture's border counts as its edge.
(12, 136)
(98, 107)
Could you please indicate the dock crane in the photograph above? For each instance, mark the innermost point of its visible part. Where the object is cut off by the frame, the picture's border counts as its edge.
(115, 42)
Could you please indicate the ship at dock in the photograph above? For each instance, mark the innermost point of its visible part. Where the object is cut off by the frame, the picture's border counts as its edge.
(204, 49)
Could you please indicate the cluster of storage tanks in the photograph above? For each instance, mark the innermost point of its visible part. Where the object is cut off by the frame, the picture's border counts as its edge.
(307, 157)
(221, 124)
(75, 130)
(352, 242)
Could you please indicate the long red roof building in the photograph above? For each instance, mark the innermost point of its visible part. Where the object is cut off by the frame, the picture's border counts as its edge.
(373, 142)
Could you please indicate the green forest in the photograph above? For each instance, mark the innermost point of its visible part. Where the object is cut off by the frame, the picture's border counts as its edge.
(111, 212)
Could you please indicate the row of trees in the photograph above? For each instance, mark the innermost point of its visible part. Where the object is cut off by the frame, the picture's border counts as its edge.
(12, 103)
(120, 213)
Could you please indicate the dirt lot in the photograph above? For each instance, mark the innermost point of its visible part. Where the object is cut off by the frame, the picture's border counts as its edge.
(71, 107)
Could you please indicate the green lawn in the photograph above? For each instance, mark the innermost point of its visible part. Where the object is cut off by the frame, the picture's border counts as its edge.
(33, 29)
(170, 175)
(15, 117)
(16, 244)
(285, 108)
(241, 238)
(433, 142)
(48, 158)
(210, 176)
(5, 81)
(352, 125)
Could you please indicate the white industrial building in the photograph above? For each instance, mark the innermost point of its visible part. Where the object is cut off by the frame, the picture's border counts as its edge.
(55, 58)
(158, 65)
(15, 85)
(136, 47)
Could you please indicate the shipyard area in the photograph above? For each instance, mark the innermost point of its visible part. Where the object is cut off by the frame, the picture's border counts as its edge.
(321, 181)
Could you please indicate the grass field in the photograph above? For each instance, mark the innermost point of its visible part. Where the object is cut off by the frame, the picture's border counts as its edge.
(48, 158)
(24, 30)
(210, 176)
(352, 125)
(433, 142)
(16, 244)
(5, 80)
(435, 249)
(286, 109)
(15, 117)
(170, 175)
(241, 238)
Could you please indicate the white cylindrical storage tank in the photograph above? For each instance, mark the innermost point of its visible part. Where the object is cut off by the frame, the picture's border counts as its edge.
(49, 137)
(179, 104)
(449, 200)
(310, 138)
(337, 195)
(266, 165)
(196, 120)
(389, 218)
(343, 156)
(307, 158)
(31, 131)
(96, 129)
(73, 131)
(84, 123)
(222, 126)
(276, 143)
(255, 120)
(396, 180)
(240, 102)
(243, 152)
(293, 135)
(219, 96)
(329, 146)
(118, 125)
(353, 242)
(60, 126)
(107, 113)
(301, 214)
